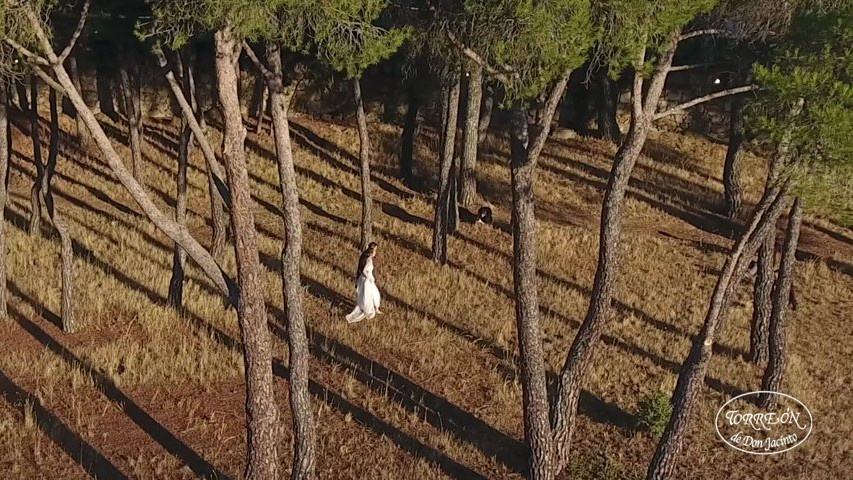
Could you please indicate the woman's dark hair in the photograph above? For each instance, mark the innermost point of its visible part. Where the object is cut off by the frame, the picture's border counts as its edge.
(362, 260)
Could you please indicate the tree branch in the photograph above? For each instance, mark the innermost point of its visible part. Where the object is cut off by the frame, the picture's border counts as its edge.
(46, 78)
(273, 80)
(697, 33)
(476, 58)
(84, 13)
(681, 68)
(706, 98)
(637, 91)
(24, 52)
(544, 126)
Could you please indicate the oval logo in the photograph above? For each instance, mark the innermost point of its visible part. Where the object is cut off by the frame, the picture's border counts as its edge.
(745, 426)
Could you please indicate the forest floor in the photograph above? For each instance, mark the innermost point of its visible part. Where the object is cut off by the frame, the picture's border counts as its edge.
(430, 389)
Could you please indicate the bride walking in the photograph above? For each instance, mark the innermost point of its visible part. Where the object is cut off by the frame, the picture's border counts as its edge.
(367, 294)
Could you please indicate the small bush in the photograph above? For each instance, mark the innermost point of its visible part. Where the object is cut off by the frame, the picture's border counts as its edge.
(654, 412)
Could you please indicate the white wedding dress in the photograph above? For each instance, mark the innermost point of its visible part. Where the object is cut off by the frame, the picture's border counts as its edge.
(367, 296)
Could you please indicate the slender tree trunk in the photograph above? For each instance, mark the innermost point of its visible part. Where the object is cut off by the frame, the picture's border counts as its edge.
(220, 197)
(38, 182)
(608, 98)
(485, 115)
(692, 375)
(734, 153)
(537, 431)
(364, 157)
(761, 299)
(83, 135)
(410, 128)
(468, 188)
(261, 412)
(133, 121)
(451, 109)
(23, 96)
(304, 429)
(66, 252)
(580, 356)
(179, 255)
(35, 134)
(763, 286)
(453, 198)
(167, 225)
(262, 110)
(772, 380)
(5, 148)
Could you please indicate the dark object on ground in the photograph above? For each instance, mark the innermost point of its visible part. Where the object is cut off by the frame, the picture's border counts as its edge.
(484, 215)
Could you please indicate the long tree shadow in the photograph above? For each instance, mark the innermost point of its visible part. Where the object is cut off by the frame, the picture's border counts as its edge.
(86, 455)
(146, 422)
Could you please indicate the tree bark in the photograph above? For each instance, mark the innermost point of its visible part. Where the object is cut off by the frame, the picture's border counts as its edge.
(410, 128)
(734, 153)
(364, 157)
(533, 379)
(580, 356)
(453, 198)
(164, 223)
(761, 293)
(448, 141)
(261, 412)
(692, 375)
(5, 148)
(304, 430)
(468, 187)
(35, 134)
(485, 115)
(23, 96)
(66, 252)
(262, 110)
(220, 197)
(179, 255)
(608, 98)
(83, 135)
(772, 380)
(134, 124)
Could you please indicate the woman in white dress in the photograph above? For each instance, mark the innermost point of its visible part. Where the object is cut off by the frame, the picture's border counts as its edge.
(367, 294)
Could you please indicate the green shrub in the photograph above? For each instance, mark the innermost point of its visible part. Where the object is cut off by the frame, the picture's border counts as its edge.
(654, 412)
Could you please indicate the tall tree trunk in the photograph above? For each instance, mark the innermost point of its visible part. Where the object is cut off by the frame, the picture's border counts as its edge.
(66, 252)
(364, 157)
(410, 128)
(448, 142)
(133, 121)
(262, 110)
(772, 380)
(734, 153)
(35, 134)
(179, 255)
(5, 148)
(220, 197)
(608, 99)
(453, 198)
(261, 412)
(537, 431)
(763, 286)
(83, 135)
(304, 429)
(168, 226)
(580, 356)
(488, 104)
(468, 187)
(692, 375)
(23, 96)
(761, 294)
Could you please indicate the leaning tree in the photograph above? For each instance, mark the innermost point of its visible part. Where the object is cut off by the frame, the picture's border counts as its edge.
(805, 109)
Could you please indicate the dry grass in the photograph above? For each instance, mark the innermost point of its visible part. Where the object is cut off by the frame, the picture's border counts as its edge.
(428, 390)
